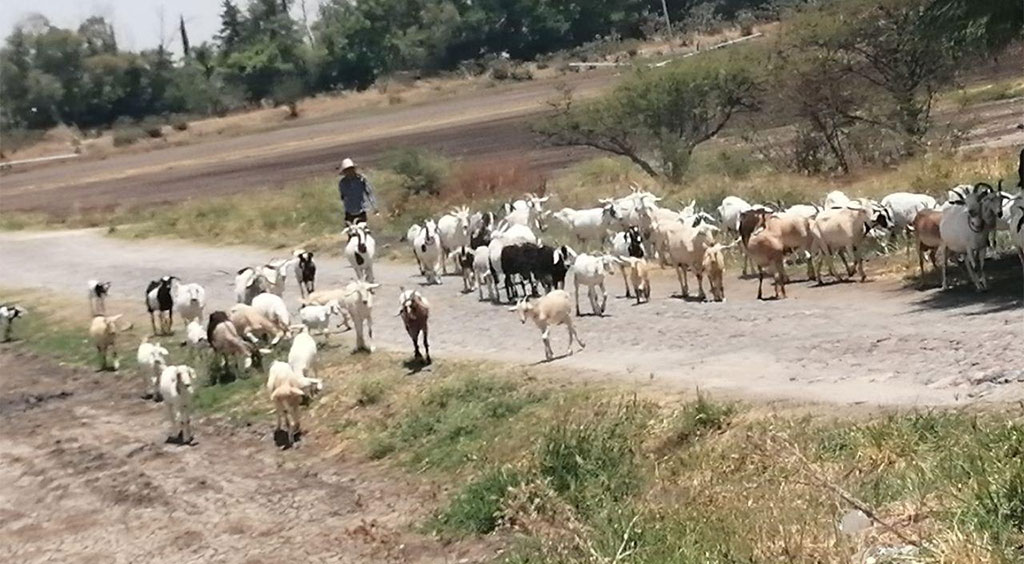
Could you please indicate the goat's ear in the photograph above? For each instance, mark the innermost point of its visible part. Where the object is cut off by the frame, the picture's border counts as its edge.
(556, 256)
(115, 318)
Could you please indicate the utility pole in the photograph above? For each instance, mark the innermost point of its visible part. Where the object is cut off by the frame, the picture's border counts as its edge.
(668, 22)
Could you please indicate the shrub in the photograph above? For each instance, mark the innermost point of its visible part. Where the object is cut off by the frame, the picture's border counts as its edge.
(179, 123)
(476, 509)
(153, 127)
(127, 136)
(420, 170)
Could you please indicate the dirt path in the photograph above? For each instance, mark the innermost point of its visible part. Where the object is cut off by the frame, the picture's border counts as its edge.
(875, 343)
(86, 477)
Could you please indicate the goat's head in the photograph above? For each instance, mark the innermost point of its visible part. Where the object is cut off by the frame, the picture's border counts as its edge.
(99, 289)
(12, 311)
(565, 255)
(524, 308)
(184, 380)
(112, 324)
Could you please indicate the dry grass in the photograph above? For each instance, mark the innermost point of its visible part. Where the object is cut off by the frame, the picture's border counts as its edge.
(589, 473)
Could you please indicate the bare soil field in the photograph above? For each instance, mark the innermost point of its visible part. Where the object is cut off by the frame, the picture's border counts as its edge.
(86, 477)
(878, 343)
(479, 124)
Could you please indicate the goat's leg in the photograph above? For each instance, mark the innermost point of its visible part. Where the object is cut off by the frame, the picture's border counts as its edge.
(920, 264)
(760, 282)
(945, 263)
(604, 297)
(781, 280)
(188, 428)
(858, 261)
(415, 346)
(577, 286)
(970, 261)
(746, 260)
(152, 322)
(679, 275)
(426, 343)
(546, 337)
(625, 281)
(700, 284)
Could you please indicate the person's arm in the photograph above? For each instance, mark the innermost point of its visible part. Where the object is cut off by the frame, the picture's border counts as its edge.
(371, 197)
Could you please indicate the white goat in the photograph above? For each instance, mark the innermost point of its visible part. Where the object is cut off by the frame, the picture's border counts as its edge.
(729, 211)
(276, 274)
(272, 307)
(590, 270)
(528, 212)
(835, 199)
(591, 225)
(318, 317)
(807, 211)
(360, 250)
(964, 229)
(177, 388)
(248, 284)
(190, 300)
(303, 352)
(903, 207)
(195, 335)
(554, 308)
(482, 270)
(152, 359)
(453, 231)
(427, 246)
(359, 304)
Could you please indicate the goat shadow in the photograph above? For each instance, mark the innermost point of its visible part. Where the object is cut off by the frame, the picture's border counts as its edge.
(179, 440)
(691, 299)
(550, 360)
(281, 438)
(415, 365)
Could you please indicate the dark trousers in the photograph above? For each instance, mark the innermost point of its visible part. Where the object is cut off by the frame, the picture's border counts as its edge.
(351, 218)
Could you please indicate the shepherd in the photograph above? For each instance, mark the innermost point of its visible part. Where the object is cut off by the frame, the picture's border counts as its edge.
(356, 193)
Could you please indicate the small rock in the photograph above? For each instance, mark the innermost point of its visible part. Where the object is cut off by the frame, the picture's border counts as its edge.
(853, 522)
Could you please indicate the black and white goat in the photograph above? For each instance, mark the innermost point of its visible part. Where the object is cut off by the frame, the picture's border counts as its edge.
(305, 272)
(628, 244)
(98, 297)
(550, 264)
(160, 302)
(8, 313)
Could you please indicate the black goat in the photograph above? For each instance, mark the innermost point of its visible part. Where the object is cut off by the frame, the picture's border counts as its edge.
(550, 264)
(517, 261)
(306, 270)
(160, 301)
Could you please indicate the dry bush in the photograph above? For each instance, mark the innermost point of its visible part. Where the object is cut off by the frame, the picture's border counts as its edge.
(492, 179)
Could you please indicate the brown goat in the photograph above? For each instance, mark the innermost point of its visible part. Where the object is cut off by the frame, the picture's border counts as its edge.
(926, 230)
(415, 312)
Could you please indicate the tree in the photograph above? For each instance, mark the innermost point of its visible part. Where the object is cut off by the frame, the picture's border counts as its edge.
(230, 34)
(98, 36)
(657, 117)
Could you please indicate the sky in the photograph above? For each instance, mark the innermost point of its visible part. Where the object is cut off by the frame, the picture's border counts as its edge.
(136, 22)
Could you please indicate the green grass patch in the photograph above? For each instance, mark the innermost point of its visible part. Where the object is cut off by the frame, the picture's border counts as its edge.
(477, 507)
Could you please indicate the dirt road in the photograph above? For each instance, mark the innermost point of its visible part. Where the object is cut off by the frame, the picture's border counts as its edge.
(86, 477)
(875, 343)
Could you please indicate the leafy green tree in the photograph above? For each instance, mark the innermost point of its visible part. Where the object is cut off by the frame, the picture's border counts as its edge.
(657, 117)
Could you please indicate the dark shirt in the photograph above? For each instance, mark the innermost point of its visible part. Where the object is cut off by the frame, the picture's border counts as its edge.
(356, 194)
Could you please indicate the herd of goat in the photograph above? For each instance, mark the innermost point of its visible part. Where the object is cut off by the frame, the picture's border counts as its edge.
(626, 235)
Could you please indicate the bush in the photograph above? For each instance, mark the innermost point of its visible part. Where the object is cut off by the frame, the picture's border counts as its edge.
(179, 123)
(421, 171)
(153, 127)
(128, 136)
(370, 392)
(476, 509)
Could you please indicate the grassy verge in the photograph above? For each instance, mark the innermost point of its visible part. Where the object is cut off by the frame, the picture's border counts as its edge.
(596, 473)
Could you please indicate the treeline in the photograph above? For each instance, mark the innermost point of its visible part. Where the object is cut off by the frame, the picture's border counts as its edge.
(52, 75)
(856, 78)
